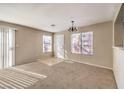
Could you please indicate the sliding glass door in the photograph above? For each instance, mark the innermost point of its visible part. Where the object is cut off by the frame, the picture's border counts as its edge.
(59, 46)
(7, 47)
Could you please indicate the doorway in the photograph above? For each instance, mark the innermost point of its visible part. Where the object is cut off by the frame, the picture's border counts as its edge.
(59, 46)
(7, 47)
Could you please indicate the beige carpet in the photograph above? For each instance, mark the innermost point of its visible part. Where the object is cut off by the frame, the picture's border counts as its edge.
(51, 61)
(66, 75)
(12, 78)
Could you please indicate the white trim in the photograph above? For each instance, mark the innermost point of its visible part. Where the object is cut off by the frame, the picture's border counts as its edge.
(115, 75)
(91, 64)
(55, 45)
(14, 48)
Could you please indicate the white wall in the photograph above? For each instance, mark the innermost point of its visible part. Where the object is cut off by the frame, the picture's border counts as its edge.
(118, 56)
(118, 66)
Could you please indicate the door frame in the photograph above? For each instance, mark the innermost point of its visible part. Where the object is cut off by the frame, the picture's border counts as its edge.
(63, 45)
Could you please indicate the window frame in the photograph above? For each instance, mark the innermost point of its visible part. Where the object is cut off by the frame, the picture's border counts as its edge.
(81, 53)
(72, 43)
(91, 49)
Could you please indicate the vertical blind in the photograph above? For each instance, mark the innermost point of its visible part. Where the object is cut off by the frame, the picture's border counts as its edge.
(7, 47)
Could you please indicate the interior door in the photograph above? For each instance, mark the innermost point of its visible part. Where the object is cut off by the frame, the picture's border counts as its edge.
(7, 47)
(59, 46)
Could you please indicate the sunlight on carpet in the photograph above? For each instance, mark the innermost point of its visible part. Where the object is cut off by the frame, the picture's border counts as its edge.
(13, 78)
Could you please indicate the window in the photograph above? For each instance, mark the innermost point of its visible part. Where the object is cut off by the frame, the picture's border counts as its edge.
(47, 43)
(76, 43)
(87, 43)
(82, 43)
(7, 47)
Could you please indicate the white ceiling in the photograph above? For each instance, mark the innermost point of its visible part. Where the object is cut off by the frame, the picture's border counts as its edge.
(41, 16)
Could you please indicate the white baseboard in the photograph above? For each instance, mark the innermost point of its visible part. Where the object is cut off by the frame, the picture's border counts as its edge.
(82, 63)
(90, 64)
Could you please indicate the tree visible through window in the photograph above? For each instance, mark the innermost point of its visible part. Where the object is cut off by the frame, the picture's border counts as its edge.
(76, 43)
(47, 43)
(87, 43)
(82, 43)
